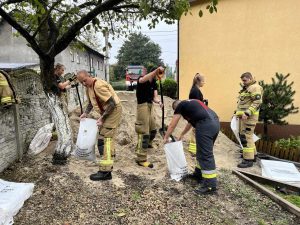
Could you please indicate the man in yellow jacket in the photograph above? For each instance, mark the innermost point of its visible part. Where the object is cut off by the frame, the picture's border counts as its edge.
(105, 101)
(6, 93)
(247, 110)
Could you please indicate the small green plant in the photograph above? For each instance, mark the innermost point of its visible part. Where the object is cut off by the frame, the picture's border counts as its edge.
(136, 196)
(292, 142)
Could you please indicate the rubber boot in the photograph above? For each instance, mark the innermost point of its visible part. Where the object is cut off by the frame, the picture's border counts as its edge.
(101, 176)
(245, 163)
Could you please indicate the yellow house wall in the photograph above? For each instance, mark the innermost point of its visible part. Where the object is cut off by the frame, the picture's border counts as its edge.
(258, 36)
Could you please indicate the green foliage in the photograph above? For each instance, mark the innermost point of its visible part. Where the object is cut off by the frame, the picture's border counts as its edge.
(211, 7)
(119, 85)
(292, 142)
(137, 50)
(169, 88)
(277, 100)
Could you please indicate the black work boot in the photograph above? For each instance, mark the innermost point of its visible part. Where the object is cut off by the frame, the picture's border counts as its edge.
(204, 190)
(196, 175)
(245, 163)
(101, 176)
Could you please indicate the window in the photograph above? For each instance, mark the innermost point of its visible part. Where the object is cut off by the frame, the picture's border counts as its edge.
(72, 56)
(77, 58)
(98, 65)
(91, 62)
(86, 60)
(102, 64)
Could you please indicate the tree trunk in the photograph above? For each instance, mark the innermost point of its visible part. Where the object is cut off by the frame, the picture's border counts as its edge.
(58, 111)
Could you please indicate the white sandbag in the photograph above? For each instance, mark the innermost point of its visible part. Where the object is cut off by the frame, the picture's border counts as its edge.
(278, 170)
(41, 139)
(86, 139)
(176, 161)
(234, 125)
(12, 197)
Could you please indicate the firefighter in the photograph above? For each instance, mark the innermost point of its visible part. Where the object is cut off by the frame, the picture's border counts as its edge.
(6, 93)
(105, 101)
(207, 125)
(62, 84)
(249, 102)
(195, 93)
(146, 94)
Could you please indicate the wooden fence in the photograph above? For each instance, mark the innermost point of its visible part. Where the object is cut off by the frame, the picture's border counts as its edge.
(270, 148)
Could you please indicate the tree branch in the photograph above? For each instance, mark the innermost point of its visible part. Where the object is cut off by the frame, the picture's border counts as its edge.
(8, 2)
(53, 26)
(23, 32)
(72, 32)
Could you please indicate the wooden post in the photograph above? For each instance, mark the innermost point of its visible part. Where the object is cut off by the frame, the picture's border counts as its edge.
(17, 130)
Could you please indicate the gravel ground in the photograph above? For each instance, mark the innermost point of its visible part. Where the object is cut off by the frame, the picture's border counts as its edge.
(64, 195)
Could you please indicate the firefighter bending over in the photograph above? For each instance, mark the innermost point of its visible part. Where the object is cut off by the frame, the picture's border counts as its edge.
(105, 101)
(207, 125)
(146, 94)
(247, 110)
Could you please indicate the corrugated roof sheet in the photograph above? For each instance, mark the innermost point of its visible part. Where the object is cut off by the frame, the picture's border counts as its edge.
(16, 65)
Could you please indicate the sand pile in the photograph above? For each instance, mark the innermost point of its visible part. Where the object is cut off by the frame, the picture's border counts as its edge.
(226, 152)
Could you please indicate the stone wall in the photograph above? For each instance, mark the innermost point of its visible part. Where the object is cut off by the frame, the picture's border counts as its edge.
(8, 144)
(33, 114)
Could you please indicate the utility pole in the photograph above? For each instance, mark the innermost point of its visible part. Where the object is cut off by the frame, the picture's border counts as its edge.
(106, 63)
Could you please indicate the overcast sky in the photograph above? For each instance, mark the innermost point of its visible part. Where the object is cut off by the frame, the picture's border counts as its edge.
(165, 35)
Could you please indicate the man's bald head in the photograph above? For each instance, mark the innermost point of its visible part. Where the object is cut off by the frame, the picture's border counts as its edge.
(84, 78)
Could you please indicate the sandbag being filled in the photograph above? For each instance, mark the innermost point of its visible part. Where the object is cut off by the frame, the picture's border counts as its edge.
(176, 161)
(86, 139)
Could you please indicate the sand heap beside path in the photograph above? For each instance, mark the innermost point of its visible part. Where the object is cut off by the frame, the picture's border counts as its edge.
(226, 152)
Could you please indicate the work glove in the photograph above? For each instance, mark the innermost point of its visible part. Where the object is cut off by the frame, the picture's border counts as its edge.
(74, 85)
(72, 77)
(239, 113)
(160, 72)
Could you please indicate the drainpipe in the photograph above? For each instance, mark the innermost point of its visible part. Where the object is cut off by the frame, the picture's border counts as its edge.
(177, 62)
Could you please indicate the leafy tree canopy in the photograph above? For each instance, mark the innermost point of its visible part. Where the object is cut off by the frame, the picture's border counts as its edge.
(50, 25)
(138, 50)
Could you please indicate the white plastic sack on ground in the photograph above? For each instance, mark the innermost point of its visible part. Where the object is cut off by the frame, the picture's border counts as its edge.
(41, 139)
(86, 139)
(278, 170)
(12, 197)
(234, 124)
(177, 164)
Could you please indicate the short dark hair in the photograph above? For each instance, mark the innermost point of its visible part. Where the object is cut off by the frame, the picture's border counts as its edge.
(175, 104)
(247, 75)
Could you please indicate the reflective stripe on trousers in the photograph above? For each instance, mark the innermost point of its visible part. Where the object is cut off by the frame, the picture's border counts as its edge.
(106, 162)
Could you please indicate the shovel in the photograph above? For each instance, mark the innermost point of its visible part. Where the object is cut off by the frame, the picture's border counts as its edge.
(76, 86)
(163, 129)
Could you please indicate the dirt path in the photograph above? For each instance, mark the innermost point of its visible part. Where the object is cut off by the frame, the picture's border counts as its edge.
(136, 195)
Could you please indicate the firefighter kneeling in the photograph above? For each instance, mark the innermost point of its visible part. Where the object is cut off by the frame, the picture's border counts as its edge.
(248, 106)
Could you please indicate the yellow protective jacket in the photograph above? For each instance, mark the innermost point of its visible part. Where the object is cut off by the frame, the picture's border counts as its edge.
(250, 100)
(6, 93)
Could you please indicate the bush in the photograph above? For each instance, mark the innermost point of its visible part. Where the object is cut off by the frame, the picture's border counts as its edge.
(119, 85)
(291, 142)
(169, 88)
